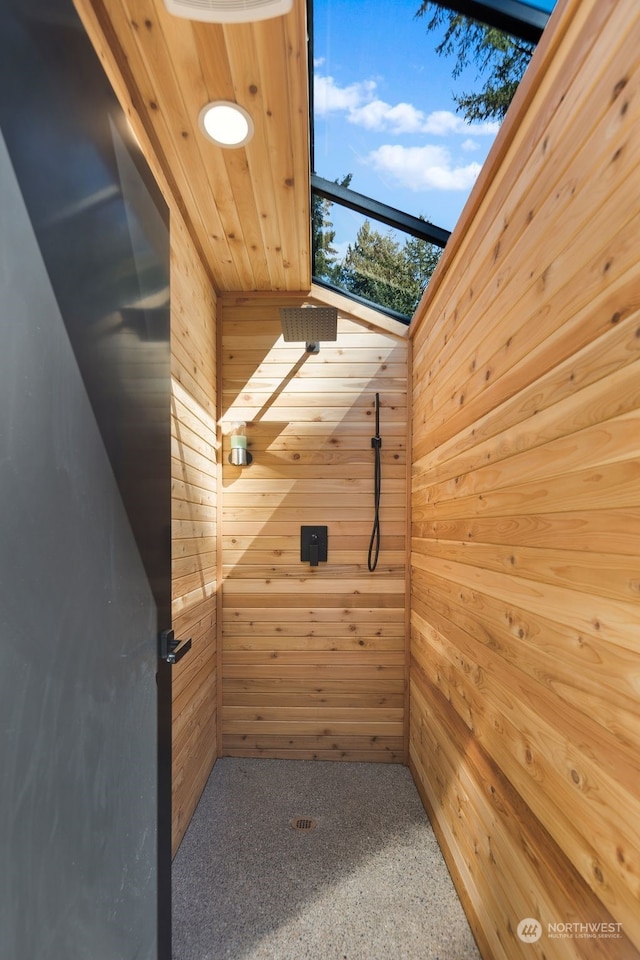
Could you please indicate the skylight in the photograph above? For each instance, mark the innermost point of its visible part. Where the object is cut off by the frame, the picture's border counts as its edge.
(386, 127)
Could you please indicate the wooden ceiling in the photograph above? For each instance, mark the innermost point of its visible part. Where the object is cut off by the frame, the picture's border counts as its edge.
(247, 208)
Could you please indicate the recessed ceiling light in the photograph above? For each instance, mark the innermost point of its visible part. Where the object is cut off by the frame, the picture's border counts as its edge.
(226, 123)
(228, 11)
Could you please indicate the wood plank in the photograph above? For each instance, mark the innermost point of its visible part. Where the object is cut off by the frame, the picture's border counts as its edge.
(305, 631)
(258, 703)
(296, 715)
(313, 728)
(616, 576)
(345, 660)
(612, 486)
(616, 621)
(373, 749)
(304, 642)
(287, 511)
(309, 487)
(449, 641)
(274, 668)
(608, 397)
(262, 563)
(592, 675)
(602, 444)
(605, 531)
(329, 599)
(311, 615)
(314, 498)
(303, 687)
(387, 755)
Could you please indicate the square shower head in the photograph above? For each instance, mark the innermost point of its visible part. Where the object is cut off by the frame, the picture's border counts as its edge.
(309, 324)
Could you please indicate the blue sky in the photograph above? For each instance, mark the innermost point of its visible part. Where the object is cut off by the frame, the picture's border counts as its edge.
(384, 109)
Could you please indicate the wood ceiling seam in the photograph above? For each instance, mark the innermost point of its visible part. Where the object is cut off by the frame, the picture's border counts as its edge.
(284, 173)
(166, 106)
(179, 75)
(256, 194)
(120, 67)
(212, 52)
(297, 48)
(286, 249)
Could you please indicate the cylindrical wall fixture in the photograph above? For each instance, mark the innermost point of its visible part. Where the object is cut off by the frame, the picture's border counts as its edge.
(239, 456)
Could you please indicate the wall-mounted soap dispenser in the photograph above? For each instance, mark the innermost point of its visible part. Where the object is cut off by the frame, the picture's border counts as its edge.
(239, 455)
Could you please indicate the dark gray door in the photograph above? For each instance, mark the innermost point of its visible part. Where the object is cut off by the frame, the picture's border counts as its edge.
(84, 511)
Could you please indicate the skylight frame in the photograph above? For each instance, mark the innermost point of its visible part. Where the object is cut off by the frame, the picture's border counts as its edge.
(520, 19)
(523, 20)
(382, 212)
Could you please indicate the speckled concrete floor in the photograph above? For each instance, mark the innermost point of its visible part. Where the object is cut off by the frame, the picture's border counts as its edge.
(368, 883)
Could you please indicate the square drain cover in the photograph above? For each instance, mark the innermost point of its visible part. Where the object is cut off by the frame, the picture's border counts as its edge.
(304, 823)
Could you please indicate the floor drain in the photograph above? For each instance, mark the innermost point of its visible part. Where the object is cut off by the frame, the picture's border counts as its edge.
(304, 823)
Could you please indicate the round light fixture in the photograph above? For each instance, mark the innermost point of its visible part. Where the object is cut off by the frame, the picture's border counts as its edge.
(226, 123)
(228, 11)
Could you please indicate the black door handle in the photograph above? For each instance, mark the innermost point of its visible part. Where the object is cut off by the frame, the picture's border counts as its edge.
(171, 649)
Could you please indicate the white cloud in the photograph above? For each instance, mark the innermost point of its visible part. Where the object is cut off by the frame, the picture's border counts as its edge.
(378, 115)
(444, 122)
(357, 101)
(469, 146)
(423, 168)
(328, 96)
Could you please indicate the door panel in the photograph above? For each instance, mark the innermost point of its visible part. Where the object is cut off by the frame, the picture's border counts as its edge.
(102, 228)
(85, 508)
(78, 629)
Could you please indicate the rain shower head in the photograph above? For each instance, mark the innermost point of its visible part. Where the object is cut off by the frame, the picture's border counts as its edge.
(309, 325)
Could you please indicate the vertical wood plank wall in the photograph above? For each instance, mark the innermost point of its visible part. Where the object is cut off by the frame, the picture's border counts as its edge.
(194, 519)
(525, 672)
(314, 658)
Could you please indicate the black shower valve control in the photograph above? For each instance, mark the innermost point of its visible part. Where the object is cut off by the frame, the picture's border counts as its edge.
(313, 545)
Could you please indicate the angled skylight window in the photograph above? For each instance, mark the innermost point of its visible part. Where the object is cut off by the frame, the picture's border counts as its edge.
(392, 121)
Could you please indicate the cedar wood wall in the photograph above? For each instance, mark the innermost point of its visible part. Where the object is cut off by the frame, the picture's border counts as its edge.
(314, 658)
(194, 523)
(525, 731)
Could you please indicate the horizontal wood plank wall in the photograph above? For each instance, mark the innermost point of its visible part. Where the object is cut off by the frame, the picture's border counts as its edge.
(313, 658)
(194, 519)
(525, 675)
